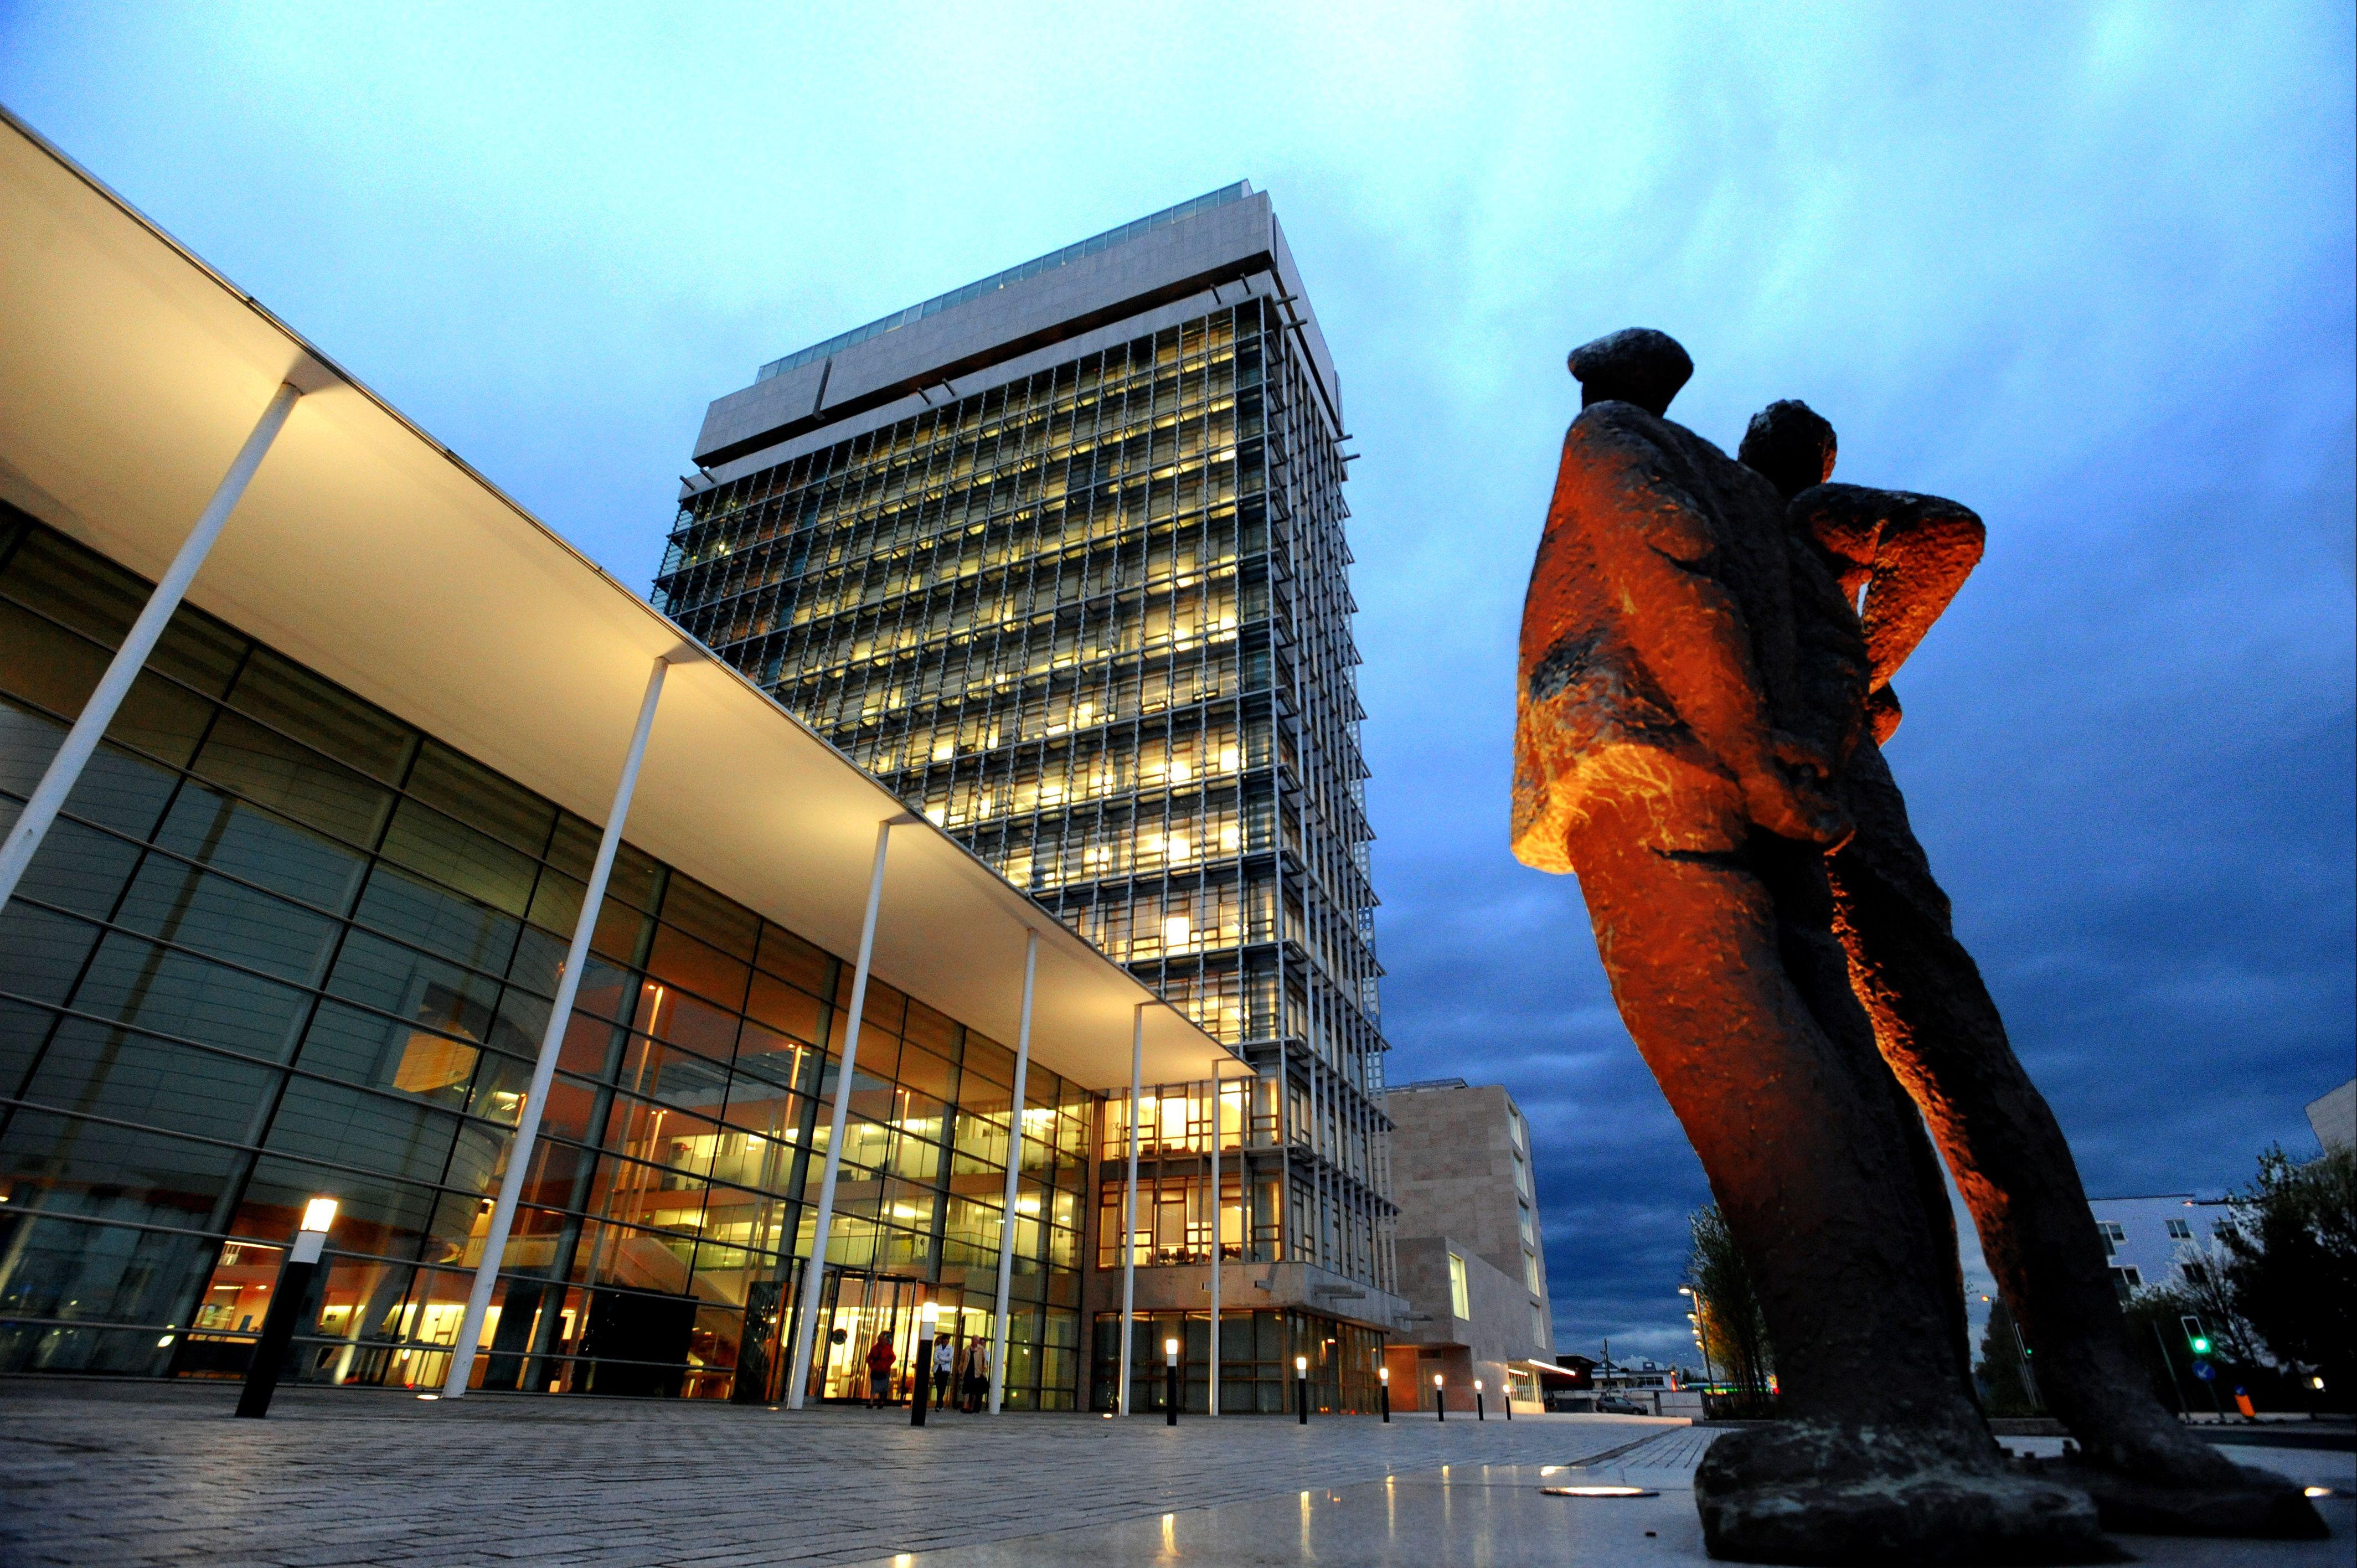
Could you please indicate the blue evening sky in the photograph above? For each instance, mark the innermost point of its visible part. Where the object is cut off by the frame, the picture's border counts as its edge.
(2087, 268)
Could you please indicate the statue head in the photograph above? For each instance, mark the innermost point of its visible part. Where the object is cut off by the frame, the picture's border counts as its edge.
(1635, 365)
(1790, 445)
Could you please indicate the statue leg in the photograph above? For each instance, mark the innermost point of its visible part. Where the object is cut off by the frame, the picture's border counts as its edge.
(1938, 1027)
(1713, 959)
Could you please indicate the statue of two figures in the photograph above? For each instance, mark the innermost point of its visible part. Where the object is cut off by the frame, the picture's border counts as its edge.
(1706, 656)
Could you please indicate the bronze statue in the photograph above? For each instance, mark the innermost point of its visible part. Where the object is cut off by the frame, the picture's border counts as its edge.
(1697, 692)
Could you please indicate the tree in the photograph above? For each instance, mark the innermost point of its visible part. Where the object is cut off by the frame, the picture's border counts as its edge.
(2292, 1263)
(1727, 1311)
(2002, 1372)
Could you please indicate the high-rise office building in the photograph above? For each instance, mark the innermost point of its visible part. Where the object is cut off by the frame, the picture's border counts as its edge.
(1060, 557)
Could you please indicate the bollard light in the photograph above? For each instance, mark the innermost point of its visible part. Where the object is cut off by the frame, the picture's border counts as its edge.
(929, 1315)
(1170, 1382)
(1480, 1411)
(1439, 1401)
(287, 1298)
(1301, 1386)
(1384, 1380)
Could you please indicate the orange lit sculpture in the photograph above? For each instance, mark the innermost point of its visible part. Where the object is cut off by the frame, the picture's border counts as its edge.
(1697, 703)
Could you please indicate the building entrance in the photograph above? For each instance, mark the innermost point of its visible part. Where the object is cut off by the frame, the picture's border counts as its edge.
(855, 1309)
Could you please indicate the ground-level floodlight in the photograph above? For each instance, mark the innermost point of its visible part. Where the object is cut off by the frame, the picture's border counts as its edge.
(1383, 1387)
(1301, 1386)
(1170, 1382)
(296, 1273)
(1439, 1399)
(1480, 1412)
(928, 1318)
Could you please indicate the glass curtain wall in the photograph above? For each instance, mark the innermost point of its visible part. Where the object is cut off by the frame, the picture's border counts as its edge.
(1257, 1349)
(1096, 622)
(282, 944)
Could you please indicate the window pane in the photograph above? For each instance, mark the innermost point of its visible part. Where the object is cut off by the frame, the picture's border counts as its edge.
(463, 787)
(65, 1164)
(272, 771)
(101, 1071)
(292, 699)
(416, 911)
(228, 920)
(175, 994)
(458, 857)
(327, 1121)
(229, 835)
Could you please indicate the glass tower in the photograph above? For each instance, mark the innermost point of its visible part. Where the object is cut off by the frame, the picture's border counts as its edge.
(1060, 557)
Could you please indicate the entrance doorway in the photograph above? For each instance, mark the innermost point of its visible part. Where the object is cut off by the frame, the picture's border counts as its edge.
(854, 1311)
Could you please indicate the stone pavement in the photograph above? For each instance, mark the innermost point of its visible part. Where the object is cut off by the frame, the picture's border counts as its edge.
(1498, 1516)
(95, 1475)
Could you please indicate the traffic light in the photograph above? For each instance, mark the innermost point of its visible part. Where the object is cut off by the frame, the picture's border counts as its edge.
(2197, 1341)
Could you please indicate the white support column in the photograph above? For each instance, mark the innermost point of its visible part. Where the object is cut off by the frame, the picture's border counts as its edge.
(1211, 1402)
(1014, 1169)
(814, 1271)
(1129, 1201)
(24, 840)
(552, 1042)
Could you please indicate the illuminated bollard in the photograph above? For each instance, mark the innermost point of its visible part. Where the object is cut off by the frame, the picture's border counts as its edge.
(1301, 1386)
(928, 1318)
(1170, 1383)
(278, 1324)
(1439, 1399)
(1384, 1380)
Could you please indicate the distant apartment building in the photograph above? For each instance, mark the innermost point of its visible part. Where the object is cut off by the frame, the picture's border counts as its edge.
(1059, 556)
(2168, 1239)
(2334, 1117)
(1471, 1263)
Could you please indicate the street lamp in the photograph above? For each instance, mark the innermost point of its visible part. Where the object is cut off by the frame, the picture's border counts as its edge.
(1440, 1401)
(1480, 1411)
(286, 1301)
(1301, 1386)
(1383, 1387)
(1702, 1340)
(1170, 1382)
(928, 1316)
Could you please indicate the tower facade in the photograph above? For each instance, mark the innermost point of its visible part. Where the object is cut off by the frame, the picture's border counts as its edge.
(1061, 556)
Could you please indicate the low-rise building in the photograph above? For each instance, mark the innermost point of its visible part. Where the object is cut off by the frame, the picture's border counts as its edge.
(2334, 1117)
(1471, 1263)
(2166, 1238)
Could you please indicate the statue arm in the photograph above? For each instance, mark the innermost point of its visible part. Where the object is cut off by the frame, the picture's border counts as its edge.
(1909, 553)
(1923, 555)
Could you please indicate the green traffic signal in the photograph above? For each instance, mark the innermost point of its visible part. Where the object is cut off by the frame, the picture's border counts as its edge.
(2202, 1345)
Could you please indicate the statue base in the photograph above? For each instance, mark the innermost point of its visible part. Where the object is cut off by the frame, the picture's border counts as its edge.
(1815, 1493)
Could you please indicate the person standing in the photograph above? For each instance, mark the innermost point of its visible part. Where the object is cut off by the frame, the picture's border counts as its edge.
(977, 1375)
(945, 1364)
(881, 1356)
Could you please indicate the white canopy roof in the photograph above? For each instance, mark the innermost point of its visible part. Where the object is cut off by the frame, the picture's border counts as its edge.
(130, 373)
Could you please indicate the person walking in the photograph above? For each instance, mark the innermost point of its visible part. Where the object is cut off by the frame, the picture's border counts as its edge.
(978, 1376)
(944, 1369)
(881, 1356)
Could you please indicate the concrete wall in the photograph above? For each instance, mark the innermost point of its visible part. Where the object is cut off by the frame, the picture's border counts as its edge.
(1453, 1163)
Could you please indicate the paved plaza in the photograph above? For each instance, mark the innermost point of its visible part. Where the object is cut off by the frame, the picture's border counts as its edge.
(98, 1475)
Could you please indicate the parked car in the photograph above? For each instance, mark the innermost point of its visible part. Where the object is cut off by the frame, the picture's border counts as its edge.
(1619, 1404)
